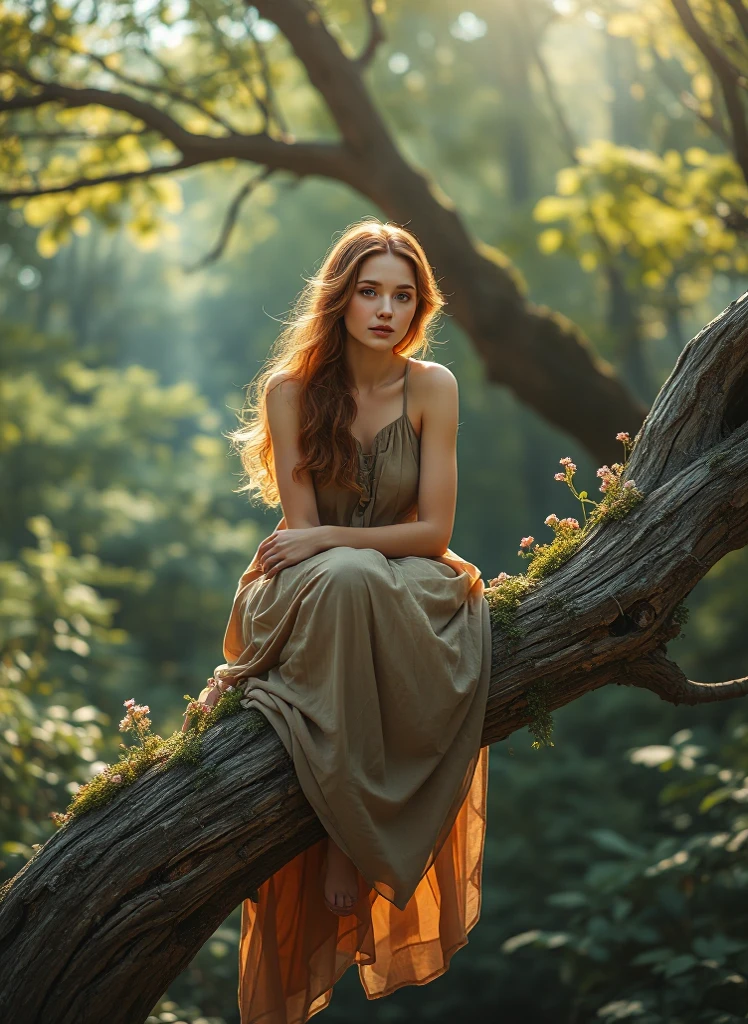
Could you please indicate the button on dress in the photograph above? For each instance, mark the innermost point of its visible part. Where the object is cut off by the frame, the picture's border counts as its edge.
(374, 672)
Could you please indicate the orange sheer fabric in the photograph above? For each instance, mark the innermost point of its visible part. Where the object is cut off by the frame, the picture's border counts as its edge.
(293, 949)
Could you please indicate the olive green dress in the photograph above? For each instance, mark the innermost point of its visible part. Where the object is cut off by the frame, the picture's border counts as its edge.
(374, 672)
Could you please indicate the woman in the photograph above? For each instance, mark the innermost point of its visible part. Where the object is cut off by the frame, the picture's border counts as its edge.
(362, 638)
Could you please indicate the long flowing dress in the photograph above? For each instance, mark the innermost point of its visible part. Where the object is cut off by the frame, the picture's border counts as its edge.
(374, 672)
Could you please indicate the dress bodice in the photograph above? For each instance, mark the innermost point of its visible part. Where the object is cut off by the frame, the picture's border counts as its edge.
(388, 474)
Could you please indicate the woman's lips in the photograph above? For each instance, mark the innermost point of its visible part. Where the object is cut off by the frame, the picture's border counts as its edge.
(382, 330)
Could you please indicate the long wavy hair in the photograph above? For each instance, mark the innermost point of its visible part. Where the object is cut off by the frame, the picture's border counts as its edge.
(310, 350)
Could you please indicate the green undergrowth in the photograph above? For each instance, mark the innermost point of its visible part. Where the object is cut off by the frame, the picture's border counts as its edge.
(153, 751)
(505, 593)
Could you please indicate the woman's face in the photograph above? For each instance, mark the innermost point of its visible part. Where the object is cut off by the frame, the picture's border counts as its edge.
(385, 296)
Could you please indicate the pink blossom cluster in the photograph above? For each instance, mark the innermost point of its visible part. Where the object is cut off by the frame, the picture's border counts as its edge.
(136, 715)
(557, 524)
(570, 469)
(612, 475)
(498, 579)
(136, 718)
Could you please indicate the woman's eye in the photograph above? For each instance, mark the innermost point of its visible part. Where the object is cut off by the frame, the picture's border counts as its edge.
(404, 295)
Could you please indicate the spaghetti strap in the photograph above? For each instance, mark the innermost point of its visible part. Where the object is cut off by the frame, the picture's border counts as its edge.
(405, 387)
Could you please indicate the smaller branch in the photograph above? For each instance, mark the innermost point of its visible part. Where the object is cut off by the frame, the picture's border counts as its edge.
(229, 223)
(729, 78)
(237, 66)
(105, 179)
(657, 673)
(688, 100)
(376, 36)
(269, 105)
(135, 83)
(21, 101)
(81, 136)
(741, 13)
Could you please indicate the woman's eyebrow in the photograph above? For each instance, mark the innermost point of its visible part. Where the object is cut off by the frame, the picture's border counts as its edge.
(366, 280)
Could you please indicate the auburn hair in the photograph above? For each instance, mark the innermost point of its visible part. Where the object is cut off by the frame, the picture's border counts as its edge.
(310, 350)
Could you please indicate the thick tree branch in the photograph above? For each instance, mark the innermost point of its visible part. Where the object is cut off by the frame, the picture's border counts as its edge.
(137, 886)
(301, 159)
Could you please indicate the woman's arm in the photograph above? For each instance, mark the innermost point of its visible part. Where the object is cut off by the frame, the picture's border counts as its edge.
(434, 387)
(297, 496)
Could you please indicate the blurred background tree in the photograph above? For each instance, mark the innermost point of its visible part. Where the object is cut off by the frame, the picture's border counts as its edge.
(595, 153)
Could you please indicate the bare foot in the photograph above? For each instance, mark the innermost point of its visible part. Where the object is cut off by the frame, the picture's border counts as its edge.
(341, 880)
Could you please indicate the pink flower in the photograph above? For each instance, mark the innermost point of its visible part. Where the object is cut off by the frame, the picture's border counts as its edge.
(552, 519)
(130, 703)
(559, 476)
(116, 778)
(123, 724)
(566, 461)
(573, 523)
(526, 542)
(604, 471)
(623, 436)
(629, 484)
(498, 579)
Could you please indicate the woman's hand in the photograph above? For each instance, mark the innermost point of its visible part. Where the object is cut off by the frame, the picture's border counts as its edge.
(287, 547)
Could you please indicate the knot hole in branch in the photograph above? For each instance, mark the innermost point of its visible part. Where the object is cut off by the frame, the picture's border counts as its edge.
(640, 615)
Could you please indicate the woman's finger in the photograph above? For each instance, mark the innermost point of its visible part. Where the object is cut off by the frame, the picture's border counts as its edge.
(277, 568)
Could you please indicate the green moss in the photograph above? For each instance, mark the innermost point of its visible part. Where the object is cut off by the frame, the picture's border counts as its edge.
(505, 593)
(541, 719)
(503, 601)
(156, 752)
(679, 615)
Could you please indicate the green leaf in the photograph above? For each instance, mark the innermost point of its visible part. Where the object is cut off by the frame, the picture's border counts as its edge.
(716, 797)
(611, 841)
(569, 900)
(680, 964)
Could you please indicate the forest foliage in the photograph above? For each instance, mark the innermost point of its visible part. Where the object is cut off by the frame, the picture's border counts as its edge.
(590, 145)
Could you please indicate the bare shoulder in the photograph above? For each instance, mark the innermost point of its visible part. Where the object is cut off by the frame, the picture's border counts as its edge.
(432, 381)
(434, 396)
(282, 389)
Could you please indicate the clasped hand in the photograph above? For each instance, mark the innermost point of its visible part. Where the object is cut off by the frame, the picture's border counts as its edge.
(287, 547)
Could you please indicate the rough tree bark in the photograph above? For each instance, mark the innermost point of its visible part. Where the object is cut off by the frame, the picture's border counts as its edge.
(540, 355)
(115, 905)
